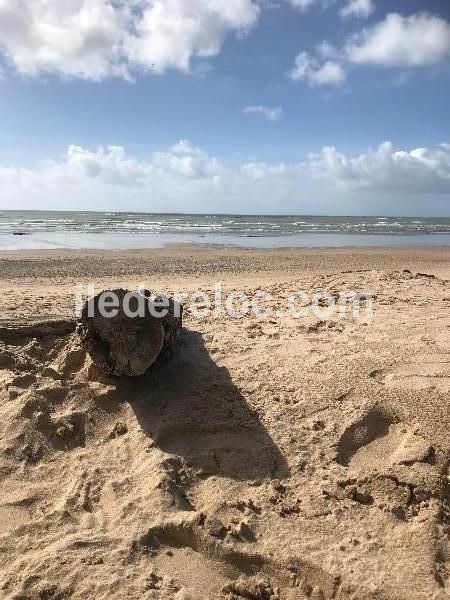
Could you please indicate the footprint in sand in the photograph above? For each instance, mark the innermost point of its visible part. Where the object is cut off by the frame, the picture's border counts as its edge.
(214, 569)
(376, 442)
(390, 466)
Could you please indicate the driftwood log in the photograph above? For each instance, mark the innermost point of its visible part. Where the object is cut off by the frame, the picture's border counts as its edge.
(129, 342)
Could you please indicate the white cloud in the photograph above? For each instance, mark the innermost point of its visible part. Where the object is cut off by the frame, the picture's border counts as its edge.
(94, 39)
(79, 39)
(109, 177)
(302, 4)
(358, 8)
(187, 160)
(260, 170)
(110, 166)
(169, 34)
(270, 114)
(327, 51)
(403, 42)
(386, 169)
(416, 41)
(309, 69)
(186, 178)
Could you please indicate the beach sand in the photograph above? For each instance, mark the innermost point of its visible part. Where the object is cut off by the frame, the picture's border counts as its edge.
(272, 458)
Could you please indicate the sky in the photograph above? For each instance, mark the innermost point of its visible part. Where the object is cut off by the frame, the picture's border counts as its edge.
(229, 106)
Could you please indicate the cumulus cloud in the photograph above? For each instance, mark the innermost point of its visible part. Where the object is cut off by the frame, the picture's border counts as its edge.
(260, 170)
(317, 73)
(358, 8)
(419, 40)
(186, 178)
(327, 51)
(302, 4)
(169, 34)
(415, 41)
(79, 39)
(94, 39)
(187, 160)
(386, 168)
(110, 177)
(270, 114)
(382, 169)
(112, 165)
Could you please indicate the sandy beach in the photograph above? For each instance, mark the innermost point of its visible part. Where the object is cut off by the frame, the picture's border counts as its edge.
(273, 458)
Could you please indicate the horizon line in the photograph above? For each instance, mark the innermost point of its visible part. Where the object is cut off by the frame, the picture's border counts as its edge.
(219, 214)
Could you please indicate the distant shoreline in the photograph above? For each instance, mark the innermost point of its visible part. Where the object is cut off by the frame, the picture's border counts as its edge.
(151, 241)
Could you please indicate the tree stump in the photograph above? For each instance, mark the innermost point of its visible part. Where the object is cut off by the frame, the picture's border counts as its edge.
(127, 333)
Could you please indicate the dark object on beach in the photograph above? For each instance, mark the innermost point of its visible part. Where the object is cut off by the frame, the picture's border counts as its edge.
(127, 333)
(20, 233)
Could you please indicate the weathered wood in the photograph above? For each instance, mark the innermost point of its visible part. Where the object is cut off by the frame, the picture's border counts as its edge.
(129, 345)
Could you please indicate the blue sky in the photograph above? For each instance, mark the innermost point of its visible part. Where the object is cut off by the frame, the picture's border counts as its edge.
(226, 105)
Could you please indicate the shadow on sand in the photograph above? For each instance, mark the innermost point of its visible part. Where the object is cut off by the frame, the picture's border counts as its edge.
(191, 408)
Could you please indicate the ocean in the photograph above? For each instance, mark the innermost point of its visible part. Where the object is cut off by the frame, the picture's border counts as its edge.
(113, 230)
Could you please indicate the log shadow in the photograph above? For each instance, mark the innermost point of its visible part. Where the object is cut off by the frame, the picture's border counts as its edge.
(191, 408)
